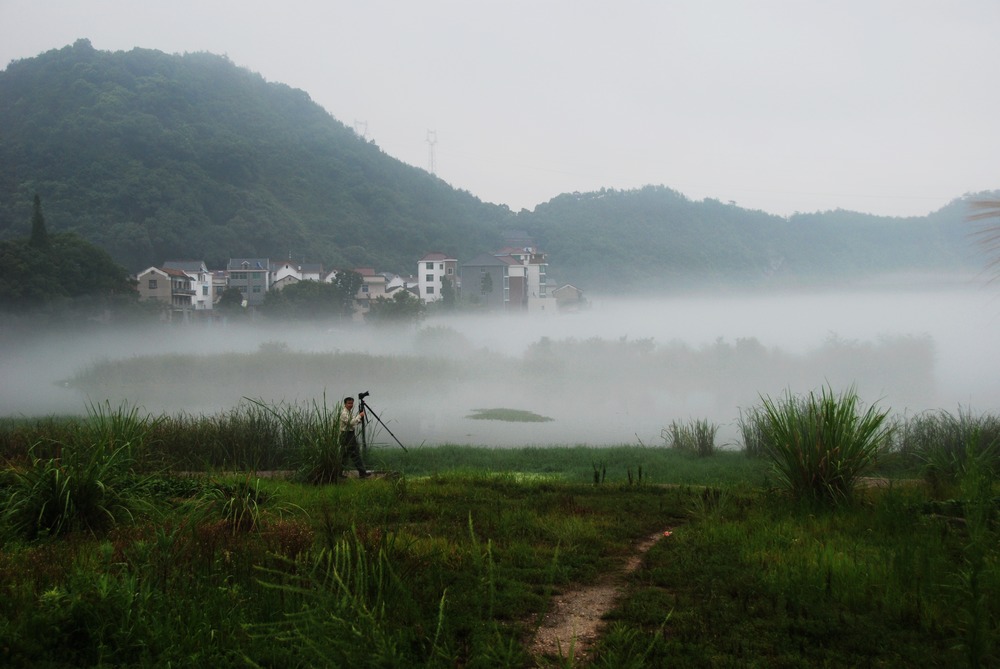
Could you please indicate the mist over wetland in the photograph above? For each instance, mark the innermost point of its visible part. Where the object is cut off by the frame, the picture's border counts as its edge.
(617, 372)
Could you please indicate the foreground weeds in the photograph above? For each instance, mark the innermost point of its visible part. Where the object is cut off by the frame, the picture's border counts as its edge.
(456, 558)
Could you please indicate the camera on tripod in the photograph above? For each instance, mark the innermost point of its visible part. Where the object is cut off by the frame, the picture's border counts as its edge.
(368, 411)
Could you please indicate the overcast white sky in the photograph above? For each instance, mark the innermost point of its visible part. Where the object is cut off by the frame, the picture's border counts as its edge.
(883, 106)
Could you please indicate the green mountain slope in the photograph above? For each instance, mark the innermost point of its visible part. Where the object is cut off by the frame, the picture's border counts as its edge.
(153, 156)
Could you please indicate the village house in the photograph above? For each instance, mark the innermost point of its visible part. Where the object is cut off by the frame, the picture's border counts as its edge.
(286, 272)
(252, 276)
(569, 298)
(373, 287)
(201, 282)
(172, 287)
(432, 271)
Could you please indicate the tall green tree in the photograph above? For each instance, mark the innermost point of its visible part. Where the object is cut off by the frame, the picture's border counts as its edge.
(447, 293)
(348, 283)
(231, 300)
(306, 300)
(39, 235)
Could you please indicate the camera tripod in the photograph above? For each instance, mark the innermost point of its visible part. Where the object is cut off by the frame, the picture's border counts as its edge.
(363, 406)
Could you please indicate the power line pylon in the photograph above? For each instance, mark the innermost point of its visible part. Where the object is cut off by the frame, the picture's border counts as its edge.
(432, 139)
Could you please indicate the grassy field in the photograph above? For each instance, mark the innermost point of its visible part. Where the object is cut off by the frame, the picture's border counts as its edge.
(137, 541)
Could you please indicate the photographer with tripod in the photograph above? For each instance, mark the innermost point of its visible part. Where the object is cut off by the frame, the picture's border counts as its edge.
(348, 438)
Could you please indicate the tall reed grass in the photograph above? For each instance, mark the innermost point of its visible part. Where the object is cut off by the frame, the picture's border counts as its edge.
(820, 445)
(311, 434)
(949, 445)
(696, 437)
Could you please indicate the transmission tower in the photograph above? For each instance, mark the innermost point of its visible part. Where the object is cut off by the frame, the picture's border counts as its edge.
(432, 139)
(361, 129)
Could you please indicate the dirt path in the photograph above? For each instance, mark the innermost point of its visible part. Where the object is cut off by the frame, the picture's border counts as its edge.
(575, 621)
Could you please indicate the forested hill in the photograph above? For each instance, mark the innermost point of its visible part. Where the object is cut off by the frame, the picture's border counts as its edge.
(656, 237)
(153, 156)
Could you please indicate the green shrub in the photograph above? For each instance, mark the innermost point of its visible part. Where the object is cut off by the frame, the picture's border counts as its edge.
(821, 445)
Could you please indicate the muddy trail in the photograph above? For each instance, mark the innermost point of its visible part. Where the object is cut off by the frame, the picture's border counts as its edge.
(576, 619)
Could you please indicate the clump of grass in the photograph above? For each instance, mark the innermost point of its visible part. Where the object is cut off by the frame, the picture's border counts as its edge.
(90, 483)
(696, 437)
(751, 426)
(237, 505)
(820, 445)
(510, 415)
(949, 445)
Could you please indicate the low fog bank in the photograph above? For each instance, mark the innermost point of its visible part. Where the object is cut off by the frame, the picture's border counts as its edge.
(618, 372)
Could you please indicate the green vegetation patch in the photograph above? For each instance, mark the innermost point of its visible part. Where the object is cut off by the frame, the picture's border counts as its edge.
(509, 415)
(454, 561)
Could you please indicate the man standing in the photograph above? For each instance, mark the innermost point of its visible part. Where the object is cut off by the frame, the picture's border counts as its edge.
(348, 439)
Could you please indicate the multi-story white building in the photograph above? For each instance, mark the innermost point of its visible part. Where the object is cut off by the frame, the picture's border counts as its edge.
(432, 270)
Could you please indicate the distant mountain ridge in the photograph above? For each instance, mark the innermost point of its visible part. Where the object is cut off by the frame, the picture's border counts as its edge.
(154, 156)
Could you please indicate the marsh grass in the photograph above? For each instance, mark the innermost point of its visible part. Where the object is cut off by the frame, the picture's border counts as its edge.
(238, 503)
(350, 608)
(311, 434)
(246, 437)
(948, 446)
(453, 562)
(696, 437)
(820, 445)
(751, 424)
(91, 482)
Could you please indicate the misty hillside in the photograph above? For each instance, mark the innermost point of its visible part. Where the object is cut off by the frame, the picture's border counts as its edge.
(154, 156)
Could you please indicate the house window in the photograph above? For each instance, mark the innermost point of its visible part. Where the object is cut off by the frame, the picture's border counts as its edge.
(152, 284)
(430, 290)
(429, 265)
(256, 275)
(256, 289)
(364, 289)
(451, 270)
(204, 290)
(430, 277)
(441, 266)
